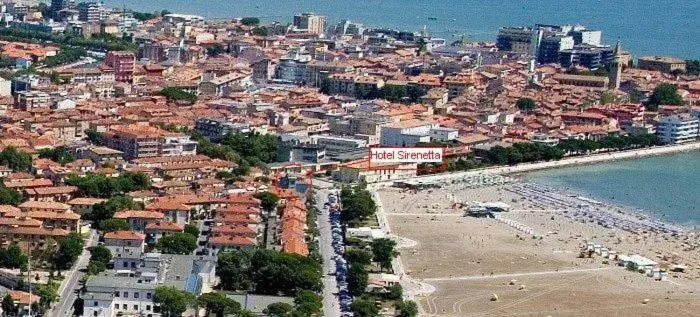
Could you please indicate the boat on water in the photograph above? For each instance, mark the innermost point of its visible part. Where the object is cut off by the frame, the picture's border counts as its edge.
(432, 18)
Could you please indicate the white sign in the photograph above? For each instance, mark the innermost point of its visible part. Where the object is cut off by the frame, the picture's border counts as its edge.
(405, 155)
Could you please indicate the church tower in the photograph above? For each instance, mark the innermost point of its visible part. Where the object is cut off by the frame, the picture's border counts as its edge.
(615, 69)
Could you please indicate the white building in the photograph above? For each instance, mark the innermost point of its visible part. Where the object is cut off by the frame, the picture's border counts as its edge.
(130, 292)
(412, 132)
(178, 145)
(678, 128)
(339, 144)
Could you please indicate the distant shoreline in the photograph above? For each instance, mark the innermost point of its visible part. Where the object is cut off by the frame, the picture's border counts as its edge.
(598, 158)
(565, 162)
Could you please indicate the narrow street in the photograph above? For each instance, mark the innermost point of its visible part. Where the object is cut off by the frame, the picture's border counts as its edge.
(68, 291)
(331, 307)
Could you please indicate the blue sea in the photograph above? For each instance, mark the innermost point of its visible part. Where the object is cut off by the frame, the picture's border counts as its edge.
(666, 187)
(645, 27)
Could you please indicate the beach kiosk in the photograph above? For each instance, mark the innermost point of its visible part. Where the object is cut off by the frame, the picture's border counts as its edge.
(637, 263)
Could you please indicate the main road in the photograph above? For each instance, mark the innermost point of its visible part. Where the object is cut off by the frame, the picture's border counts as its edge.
(68, 291)
(331, 307)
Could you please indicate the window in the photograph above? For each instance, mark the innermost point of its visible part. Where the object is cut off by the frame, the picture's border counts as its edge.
(116, 306)
(136, 295)
(148, 295)
(116, 294)
(136, 307)
(148, 307)
(94, 303)
(126, 294)
(124, 306)
(125, 264)
(94, 313)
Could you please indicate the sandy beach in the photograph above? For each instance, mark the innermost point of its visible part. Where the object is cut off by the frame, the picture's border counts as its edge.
(464, 261)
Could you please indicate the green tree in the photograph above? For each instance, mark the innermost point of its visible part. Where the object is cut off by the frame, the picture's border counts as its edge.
(13, 258)
(172, 301)
(407, 308)
(260, 30)
(233, 270)
(384, 251)
(250, 21)
(177, 243)
(96, 267)
(175, 94)
(9, 196)
(692, 67)
(93, 136)
(68, 250)
(113, 224)
(105, 210)
(59, 154)
(191, 230)
(308, 303)
(358, 256)
(246, 313)
(47, 294)
(395, 292)
(357, 279)
(607, 97)
(279, 310)
(65, 55)
(526, 104)
(268, 200)
(358, 205)
(218, 304)
(664, 94)
(364, 308)
(15, 159)
(100, 253)
(8, 305)
(143, 16)
(268, 272)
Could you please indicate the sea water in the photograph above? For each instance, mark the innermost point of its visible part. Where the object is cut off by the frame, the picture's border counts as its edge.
(645, 27)
(666, 186)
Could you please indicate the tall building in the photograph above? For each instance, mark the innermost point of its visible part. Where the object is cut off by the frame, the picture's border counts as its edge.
(549, 48)
(514, 39)
(591, 57)
(678, 128)
(312, 23)
(139, 141)
(122, 63)
(90, 12)
(615, 69)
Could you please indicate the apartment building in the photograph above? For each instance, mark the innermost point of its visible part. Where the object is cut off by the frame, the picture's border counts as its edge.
(215, 129)
(414, 131)
(678, 128)
(122, 63)
(309, 22)
(129, 289)
(661, 63)
(139, 141)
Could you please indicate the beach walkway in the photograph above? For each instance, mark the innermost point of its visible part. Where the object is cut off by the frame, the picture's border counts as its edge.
(493, 276)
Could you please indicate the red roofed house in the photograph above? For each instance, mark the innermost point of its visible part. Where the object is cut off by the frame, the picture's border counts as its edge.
(224, 243)
(52, 214)
(156, 230)
(173, 211)
(138, 219)
(123, 243)
(22, 301)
